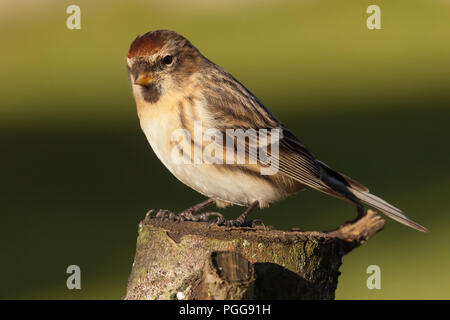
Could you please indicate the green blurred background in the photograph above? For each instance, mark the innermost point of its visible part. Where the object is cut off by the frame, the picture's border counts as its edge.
(78, 174)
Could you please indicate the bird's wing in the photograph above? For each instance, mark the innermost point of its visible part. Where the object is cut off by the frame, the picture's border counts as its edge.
(234, 107)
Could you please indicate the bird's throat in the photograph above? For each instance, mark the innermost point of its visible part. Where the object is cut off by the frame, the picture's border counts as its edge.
(150, 93)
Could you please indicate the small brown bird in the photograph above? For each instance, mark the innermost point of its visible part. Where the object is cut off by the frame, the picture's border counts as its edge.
(188, 106)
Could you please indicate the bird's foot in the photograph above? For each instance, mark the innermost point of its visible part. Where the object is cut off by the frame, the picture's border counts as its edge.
(240, 223)
(189, 215)
(186, 215)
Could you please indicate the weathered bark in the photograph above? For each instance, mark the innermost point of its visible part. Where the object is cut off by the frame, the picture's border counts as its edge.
(191, 260)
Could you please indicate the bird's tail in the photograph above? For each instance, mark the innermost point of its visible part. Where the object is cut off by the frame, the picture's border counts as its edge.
(388, 209)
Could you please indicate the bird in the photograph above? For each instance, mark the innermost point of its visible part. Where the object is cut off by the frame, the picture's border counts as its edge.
(177, 90)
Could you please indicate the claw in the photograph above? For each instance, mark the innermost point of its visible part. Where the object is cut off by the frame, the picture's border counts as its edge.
(205, 217)
(217, 222)
(254, 223)
(150, 212)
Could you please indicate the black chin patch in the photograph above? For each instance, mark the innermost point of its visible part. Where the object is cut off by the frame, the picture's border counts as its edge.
(150, 93)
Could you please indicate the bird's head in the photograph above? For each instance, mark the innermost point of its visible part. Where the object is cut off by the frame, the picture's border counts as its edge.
(160, 61)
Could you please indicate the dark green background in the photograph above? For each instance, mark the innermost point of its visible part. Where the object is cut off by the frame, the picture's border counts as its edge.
(78, 174)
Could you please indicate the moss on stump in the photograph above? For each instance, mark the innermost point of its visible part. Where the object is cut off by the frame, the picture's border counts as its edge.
(191, 260)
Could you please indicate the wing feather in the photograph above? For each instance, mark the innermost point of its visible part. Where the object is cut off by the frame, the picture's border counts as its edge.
(233, 106)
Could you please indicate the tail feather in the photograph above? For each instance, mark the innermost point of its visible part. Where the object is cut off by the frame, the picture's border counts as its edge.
(340, 186)
(386, 208)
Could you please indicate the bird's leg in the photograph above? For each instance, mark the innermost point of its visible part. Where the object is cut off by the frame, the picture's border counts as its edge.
(360, 214)
(189, 214)
(360, 211)
(241, 221)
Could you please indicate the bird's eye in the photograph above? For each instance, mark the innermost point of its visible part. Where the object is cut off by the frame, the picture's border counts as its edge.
(167, 60)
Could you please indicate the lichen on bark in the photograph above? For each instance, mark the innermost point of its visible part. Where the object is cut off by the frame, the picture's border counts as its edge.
(173, 260)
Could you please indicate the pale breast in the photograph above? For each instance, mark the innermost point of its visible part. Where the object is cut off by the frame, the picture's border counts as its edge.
(219, 181)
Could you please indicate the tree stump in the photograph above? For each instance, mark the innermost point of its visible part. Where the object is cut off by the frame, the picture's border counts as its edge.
(195, 261)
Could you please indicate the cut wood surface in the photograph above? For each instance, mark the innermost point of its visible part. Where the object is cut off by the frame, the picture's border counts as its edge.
(193, 260)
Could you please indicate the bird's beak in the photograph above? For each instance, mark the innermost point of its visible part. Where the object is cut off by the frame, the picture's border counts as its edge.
(143, 79)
